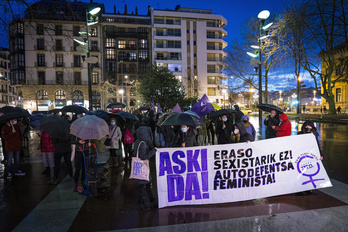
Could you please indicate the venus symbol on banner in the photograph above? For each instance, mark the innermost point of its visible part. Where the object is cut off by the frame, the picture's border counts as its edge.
(306, 164)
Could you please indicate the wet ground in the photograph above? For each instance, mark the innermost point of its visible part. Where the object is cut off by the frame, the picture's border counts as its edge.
(28, 203)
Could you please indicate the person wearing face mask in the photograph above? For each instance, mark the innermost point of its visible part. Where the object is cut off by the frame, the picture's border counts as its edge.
(12, 135)
(224, 130)
(309, 127)
(271, 120)
(115, 135)
(240, 133)
(248, 126)
(186, 137)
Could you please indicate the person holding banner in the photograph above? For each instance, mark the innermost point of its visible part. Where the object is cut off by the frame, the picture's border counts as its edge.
(240, 134)
(308, 127)
(249, 126)
(186, 137)
(284, 128)
(224, 130)
(143, 146)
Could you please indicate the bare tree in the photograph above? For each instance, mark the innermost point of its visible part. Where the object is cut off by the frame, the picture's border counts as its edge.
(318, 27)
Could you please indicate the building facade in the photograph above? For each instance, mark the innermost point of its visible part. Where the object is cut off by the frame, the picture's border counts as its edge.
(49, 64)
(190, 43)
(8, 93)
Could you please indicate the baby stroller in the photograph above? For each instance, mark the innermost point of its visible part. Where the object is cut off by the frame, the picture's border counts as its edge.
(97, 176)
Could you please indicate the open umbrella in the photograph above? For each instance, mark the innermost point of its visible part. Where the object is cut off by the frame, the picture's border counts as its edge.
(192, 113)
(163, 117)
(216, 106)
(269, 108)
(221, 112)
(55, 126)
(89, 127)
(75, 109)
(183, 119)
(116, 105)
(16, 110)
(106, 115)
(144, 108)
(126, 115)
(9, 116)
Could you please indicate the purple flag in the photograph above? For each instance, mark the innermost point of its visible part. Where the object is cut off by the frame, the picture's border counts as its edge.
(159, 110)
(202, 107)
(177, 109)
(152, 106)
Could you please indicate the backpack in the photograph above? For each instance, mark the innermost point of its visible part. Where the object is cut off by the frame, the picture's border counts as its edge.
(128, 137)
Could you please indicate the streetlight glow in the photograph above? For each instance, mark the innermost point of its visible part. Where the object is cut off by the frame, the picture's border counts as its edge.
(267, 26)
(80, 42)
(95, 11)
(264, 37)
(263, 14)
(255, 46)
(252, 54)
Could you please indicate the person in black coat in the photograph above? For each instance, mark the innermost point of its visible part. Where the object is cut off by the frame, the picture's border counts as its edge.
(186, 137)
(271, 120)
(224, 130)
(168, 134)
(238, 113)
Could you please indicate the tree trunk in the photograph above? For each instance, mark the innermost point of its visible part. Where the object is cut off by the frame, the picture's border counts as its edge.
(332, 106)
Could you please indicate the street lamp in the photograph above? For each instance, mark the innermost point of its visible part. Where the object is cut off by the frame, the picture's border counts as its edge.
(314, 99)
(263, 15)
(91, 19)
(121, 91)
(224, 93)
(280, 97)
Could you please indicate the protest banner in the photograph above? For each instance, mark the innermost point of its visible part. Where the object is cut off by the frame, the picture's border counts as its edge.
(239, 172)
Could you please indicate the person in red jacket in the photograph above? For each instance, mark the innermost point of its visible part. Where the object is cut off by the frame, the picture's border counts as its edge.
(12, 135)
(284, 128)
(47, 152)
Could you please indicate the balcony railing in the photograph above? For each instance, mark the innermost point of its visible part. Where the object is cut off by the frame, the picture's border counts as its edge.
(213, 70)
(160, 33)
(59, 48)
(166, 46)
(40, 64)
(214, 36)
(127, 47)
(214, 47)
(127, 70)
(54, 82)
(76, 65)
(217, 59)
(55, 64)
(167, 58)
(125, 59)
(39, 47)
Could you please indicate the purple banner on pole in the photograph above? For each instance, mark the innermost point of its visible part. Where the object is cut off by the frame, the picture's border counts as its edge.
(177, 109)
(203, 107)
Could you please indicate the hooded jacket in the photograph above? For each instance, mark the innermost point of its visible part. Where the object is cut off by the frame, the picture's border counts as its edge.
(244, 135)
(284, 128)
(224, 135)
(238, 113)
(144, 133)
(46, 142)
(250, 129)
(314, 131)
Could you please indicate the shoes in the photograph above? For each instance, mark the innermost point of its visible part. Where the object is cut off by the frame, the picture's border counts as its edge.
(19, 173)
(9, 176)
(75, 187)
(53, 181)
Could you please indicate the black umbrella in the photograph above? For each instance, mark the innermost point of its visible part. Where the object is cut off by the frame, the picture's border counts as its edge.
(163, 117)
(106, 115)
(54, 111)
(269, 108)
(221, 112)
(9, 116)
(55, 126)
(183, 119)
(75, 109)
(126, 115)
(16, 110)
(116, 105)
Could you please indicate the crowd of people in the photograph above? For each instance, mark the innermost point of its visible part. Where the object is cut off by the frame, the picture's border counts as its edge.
(144, 137)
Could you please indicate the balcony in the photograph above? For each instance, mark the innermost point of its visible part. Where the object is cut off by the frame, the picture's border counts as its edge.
(127, 47)
(58, 65)
(3, 91)
(167, 58)
(216, 59)
(216, 48)
(39, 48)
(161, 33)
(96, 65)
(59, 48)
(40, 64)
(214, 70)
(166, 46)
(76, 65)
(127, 71)
(214, 36)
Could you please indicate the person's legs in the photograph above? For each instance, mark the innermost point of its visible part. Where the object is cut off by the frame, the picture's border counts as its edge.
(161, 140)
(67, 160)
(16, 164)
(57, 159)
(9, 155)
(45, 162)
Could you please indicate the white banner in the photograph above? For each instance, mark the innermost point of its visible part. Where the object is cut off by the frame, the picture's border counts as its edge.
(239, 172)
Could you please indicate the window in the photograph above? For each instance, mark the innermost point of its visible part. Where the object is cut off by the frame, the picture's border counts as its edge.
(143, 30)
(210, 34)
(41, 78)
(170, 21)
(60, 98)
(110, 53)
(39, 29)
(21, 59)
(159, 20)
(143, 55)
(96, 98)
(212, 80)
(59, 78)
(131, 31)
(121, 44)
(110, 43)
(175, 55)
(174, 44)
(121, 30)
(159, 44)
(338, 95)
(132, 44)
(211, 91)
(159, 32)
(77, 97)
(95, 78)
(174, 32)
(59, 45)
(187, 31)
(42, 95)
(174, 67)
(110, 66)
(77, 61)
(194, 31)
(40, 44)
(20, 28)
(143, 43)
(194, 42)
(40, 59)
(188, 42)
(122, 56)
(94, 46)
(132, 56)
(59, 60)
(77, 78)
(94, 32)
(76, 30)
(194, 54)
(59, 30)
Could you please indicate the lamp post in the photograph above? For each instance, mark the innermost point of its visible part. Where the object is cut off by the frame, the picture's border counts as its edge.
(263, 15)
(294, 96)
(224, 93)
(90, 60)
(121, 91)
(314, 99)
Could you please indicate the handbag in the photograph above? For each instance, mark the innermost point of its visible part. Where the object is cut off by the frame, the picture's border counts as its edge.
(128, 137)
(108, 140)
(140, 169)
